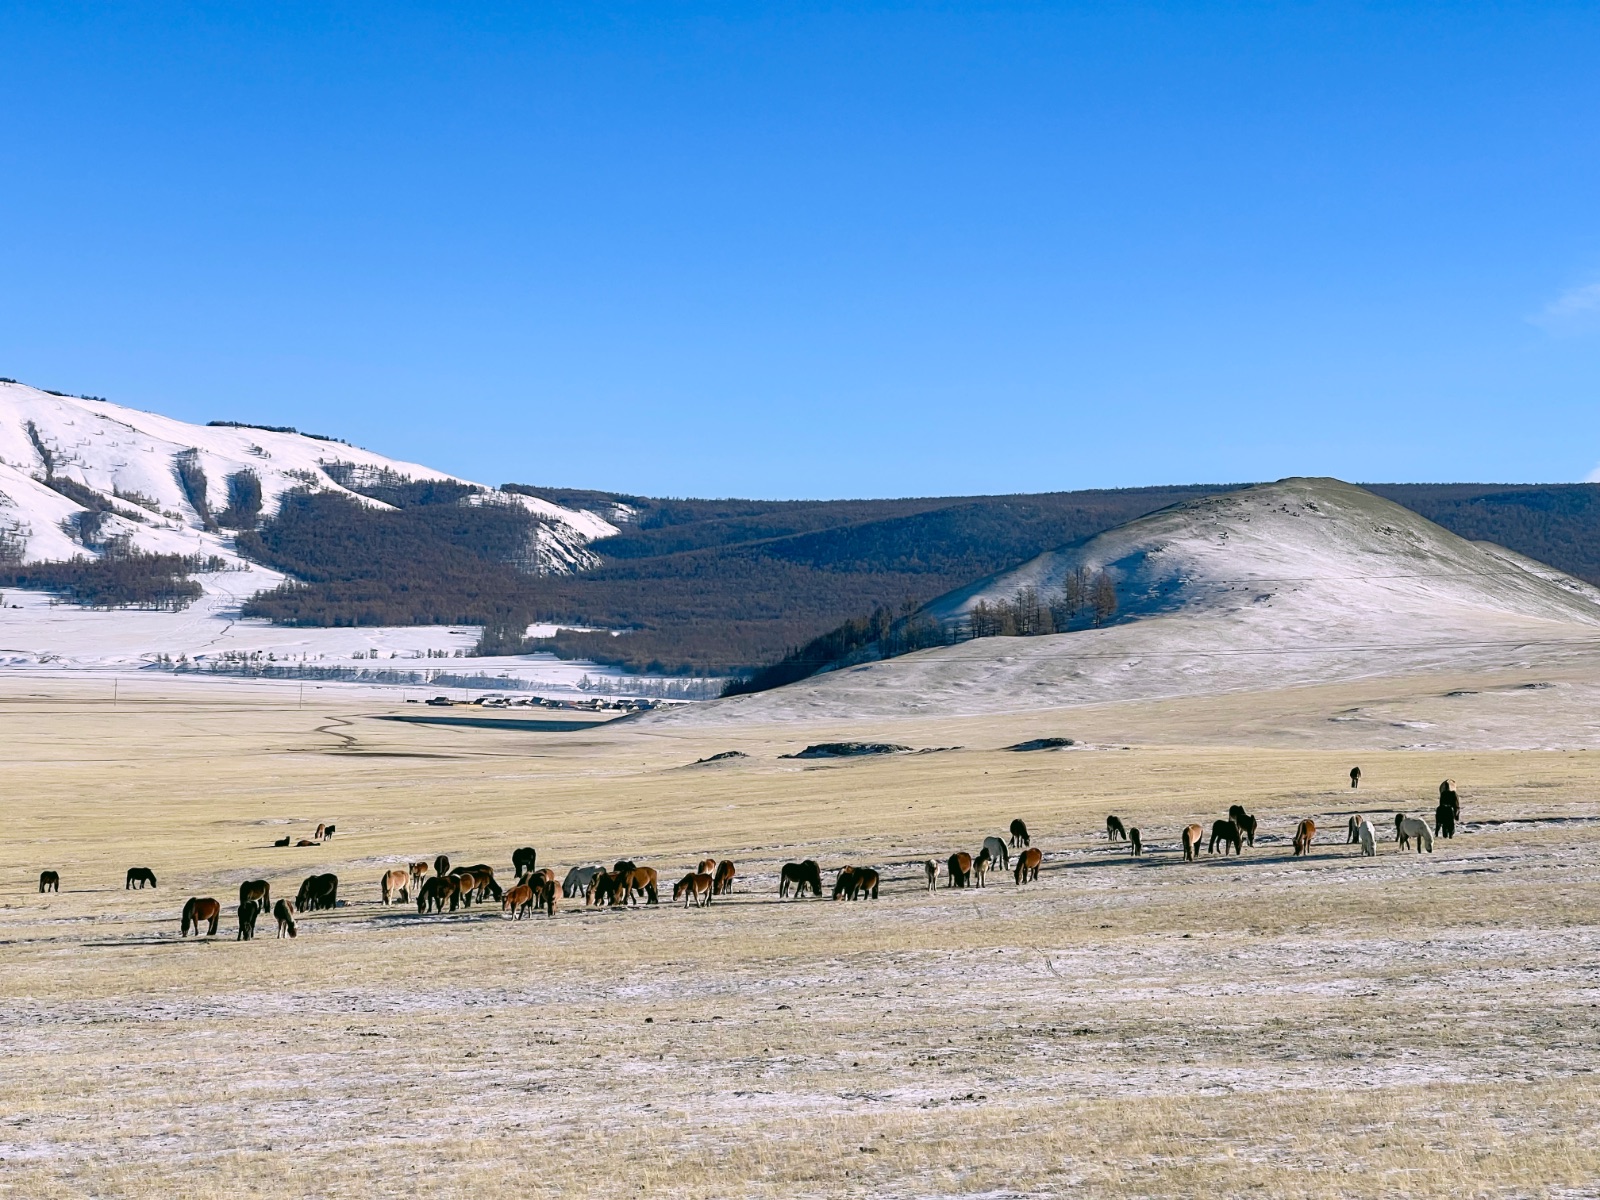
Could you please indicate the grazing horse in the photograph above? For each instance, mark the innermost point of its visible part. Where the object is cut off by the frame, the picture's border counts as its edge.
(1028, 866)
(321, 829)
(856, 883)
(998, 854)
(49, 881)
(1114, 829)
(1245, 822)
(1406, 828)
(523, 860)
(622, 866)
(466, 886)
(693, 888)
(1368, 837)
(544, 895)
(441, 865)
(932, 869)
(602, 886)
(1353, 830)
(1019, 833)
(708, 866)
(1226, 832)
(641, 881)
(1138, 842)
(258, 890)
(318, 891)
(431, 895)
(419, 872)
(1303, 834)
(980, 867)
(283, 841)
(201, 908)
(959, 869)
(1191, 842)
(517, 901)
(800, 876)
(577, 881)
(249, 910)
(722, 879)
(484, 885)
(395, 886)
(285, 916)
(1355, 777)
(138, 877)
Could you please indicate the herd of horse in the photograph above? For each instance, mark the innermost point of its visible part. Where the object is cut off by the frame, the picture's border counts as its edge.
(626, 883)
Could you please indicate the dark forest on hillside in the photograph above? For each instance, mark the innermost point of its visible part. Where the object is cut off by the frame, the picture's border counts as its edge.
(718, 586)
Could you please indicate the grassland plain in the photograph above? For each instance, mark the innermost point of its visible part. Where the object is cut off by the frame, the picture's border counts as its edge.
(1330, 1026)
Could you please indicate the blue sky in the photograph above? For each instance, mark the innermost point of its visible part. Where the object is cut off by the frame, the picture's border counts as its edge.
(843, 250)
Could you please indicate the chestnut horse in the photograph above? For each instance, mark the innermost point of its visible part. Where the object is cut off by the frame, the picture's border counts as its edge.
(394, 886)
(249, 910)
(641, 881)
(694, 888)
(49, 881)
(1303, 834)
(856, 883)
(321, 829)
(1191, 842)
(800, 876)
(201, 908)
(1028, 866)
(138, 877)
(1019, 833)
(958, 869)
(517, 901)
(258, 890)
(722, 881)
(285, 916)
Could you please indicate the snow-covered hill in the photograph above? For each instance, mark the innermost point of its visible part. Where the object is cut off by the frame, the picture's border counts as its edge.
(51, 446)
(1300, 581)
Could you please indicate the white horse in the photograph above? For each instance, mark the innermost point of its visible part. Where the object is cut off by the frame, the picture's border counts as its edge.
(1406, 828)
(1367, 836)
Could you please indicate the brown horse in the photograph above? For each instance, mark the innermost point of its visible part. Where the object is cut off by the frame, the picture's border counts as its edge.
(1355, 777)
(485, 886)
(201, 908)
(466, 887)
(708, 866)
(258, 890)
(394, 886)
(138, 877)
(544, 895)
(432, 894)
(49, 881)
(958, 869)
(306, 842)
(980, 867)
(419, 872)
(1245, 822)
(517, 901)
(1191, 841)
(317, 892)
(602, 886)
(1303, 834)
(1028, 866)
(321, 829)
(856, 883)
(285, 915)
(249, 910)
(693, 888)
(722, 880)
(800, 876)
(641, 881)
(441, 865)
(1137, 841)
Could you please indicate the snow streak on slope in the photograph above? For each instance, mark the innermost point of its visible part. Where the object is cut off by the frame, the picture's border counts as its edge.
(1300, 581)
(131, 458)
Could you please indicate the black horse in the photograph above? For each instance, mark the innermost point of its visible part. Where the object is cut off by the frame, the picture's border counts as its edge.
(318, 891)
(138, 877)
(49, 881)
(248, 912)
(800, 876)
(1114, 829)
(1019, 833)
(523, 860)
(1448, 812)
(1245, 822)
(1138, 845)
(1227, 833)
(1355, 776)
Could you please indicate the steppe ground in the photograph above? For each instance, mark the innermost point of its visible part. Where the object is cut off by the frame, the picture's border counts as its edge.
(1331, 1026)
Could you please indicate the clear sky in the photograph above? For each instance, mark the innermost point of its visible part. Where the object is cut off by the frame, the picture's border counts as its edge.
(832, 250)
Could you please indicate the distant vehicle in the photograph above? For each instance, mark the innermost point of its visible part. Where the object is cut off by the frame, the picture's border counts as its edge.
(440, 702)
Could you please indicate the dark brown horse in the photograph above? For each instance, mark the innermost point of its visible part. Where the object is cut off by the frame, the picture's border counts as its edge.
(441, 865)
(306, 842)
(1245, 822)
(958, 869)
(49, 881)
(248, 912)
(317, 892)
(602, 884)
(1355, 776)
(1027, 866)
(800, 876)
(285, 915)
(1114, 829)
(434, 892)
(201, 908)
(722, 881)
(138, 877)
(1019, 833)
(544, 894)
(856, 883)
(258, 890)
(283, 841)
(1226, 832)
(1138, 842)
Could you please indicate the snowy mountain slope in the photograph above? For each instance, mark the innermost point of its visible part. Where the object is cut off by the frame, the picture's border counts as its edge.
(1300, 581)
(131, 460)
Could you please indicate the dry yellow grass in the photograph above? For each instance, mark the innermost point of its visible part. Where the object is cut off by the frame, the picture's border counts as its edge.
(1332, 1027)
